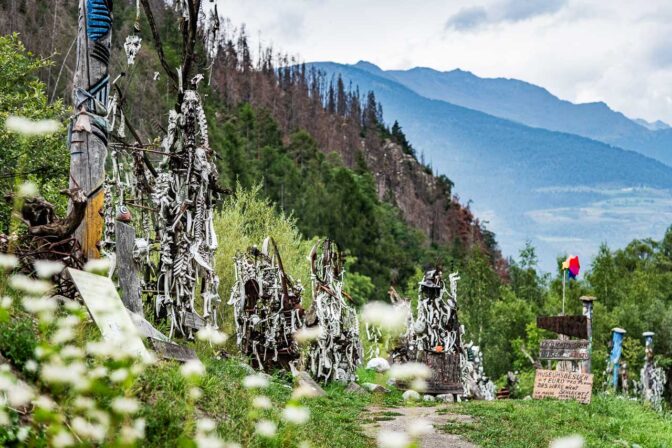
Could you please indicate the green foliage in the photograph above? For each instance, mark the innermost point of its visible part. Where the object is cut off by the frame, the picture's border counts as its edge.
(43, 159)
(18, 341)
(605, 423)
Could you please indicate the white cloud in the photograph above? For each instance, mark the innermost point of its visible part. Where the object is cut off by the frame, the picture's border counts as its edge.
(581, 50)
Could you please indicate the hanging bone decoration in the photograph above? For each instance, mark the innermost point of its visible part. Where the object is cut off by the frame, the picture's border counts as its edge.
(404, 349)
(652, 378)
(477, 385)
(184, 196)
(437, 328)
(267, 307)
(336, 353)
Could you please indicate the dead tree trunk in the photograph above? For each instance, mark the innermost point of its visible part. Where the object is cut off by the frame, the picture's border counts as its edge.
(88, 138)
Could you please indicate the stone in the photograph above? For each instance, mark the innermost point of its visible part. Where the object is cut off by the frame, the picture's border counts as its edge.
(375, 388)
(445, 398)
(411, 395)
(354, 388)
(303, 379)
(429, 398)
(380, 365)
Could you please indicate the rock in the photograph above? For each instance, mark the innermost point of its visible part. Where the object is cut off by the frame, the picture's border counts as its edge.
(411, 395)
(527, 398)
(354, 388)
(446, 398)
(428, 398)
(375, 388)
(304, 380)
(380, 365)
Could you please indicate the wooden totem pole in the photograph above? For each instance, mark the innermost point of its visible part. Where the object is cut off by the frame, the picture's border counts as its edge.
(88, 132)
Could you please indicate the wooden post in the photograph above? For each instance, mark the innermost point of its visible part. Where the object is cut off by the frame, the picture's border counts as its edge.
(617, 335)
(88, 133)
(131, 290)
(588, 312)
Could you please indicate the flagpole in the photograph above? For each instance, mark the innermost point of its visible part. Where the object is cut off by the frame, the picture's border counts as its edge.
(564, 275)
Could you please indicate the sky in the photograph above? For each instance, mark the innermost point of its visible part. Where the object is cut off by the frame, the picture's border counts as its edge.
(616, 51)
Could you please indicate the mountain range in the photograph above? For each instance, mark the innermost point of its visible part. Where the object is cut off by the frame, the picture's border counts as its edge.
(533, 166)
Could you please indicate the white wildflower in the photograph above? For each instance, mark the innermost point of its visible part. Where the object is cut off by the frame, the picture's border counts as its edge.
(28, 190)
(255, 382)
(211, 335)
(31, 365)
(19, 395)
(72, 306)
(307, 334)
(266, 428)
(72, 374)
(68, 321)
(44, 402)
(6, 382)
(28, 127)
(41, 305)
(28, 285)
(47, 269)
(98, 372)
(101, 349)
(97, 266)
(22, 433)
(88, 430)
(575, 441)
(209, 441)
(383, 315)
(206, 425)
(262, 402)
(119, 375)
(409, 371)
(393, 439)
(420, 427)
(419, 384)
(84, 403)
(72, 352)
(62, 439)
(6, 302)
(62, 335)
(8, 261)
(195, 393)
(298, 415)
(192, 368)
(4, 418)
(131, 434)
(125, 405)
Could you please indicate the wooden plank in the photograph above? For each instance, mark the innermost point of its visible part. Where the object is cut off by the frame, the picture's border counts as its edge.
(446, 373)
(146, 329)
(169, 350)
(564, 350)
(129, 282)
(193, 320)
(576, 326)
(110, 315)
(563, 385)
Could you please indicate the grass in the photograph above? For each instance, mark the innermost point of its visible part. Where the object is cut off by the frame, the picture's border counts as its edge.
(608, 421)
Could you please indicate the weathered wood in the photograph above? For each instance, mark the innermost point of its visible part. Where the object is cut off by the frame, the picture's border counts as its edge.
(446, 373)
(55, 227)
(108, 312)
(564, 350)
(129, 282)
(169, 350)
(576, 326)
(193, 320)
(563, 385)
(88, 138)
(146, 329)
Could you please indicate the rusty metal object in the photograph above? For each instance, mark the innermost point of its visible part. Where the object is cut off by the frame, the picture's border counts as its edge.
(337, 352)
(576, 326)
(267, 308)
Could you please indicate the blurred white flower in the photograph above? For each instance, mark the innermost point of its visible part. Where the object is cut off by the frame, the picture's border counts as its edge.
(307, 334)
(262, 402)
(84, 403)
(22, 433)
(575, 441)
(266, 428)
(255, 382)
(72, 352)
(4, 418)
(298, 415)
(72, 306)
(208, 441)
(419, 385)
(39, 305)
(28, 127)
(44, 402)
(28, 190)
(206, 425)
(383, 315)
(98, 266)
(31, 365)
(101, 349)
(72, 374)
(119, 375)
(19, 395)
(68, 321)
(6, 302)
(28, 285)
(195, 393)
(131, 434)
(8, 261)
(393, 439)
(98, 372)
(62, 335)
(409, 371)
(211, 335)
(88, 430)
(62, 439)
(125, 405)
(305, 391)
(192, 368)
(47, 269)
(420, 427)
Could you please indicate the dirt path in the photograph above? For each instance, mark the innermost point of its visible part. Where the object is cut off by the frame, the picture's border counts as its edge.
(399, 419)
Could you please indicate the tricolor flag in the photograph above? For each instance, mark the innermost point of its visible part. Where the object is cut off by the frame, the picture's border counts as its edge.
(571, 264)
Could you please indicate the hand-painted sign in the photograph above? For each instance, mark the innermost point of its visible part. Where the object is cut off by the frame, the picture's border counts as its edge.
(576, 326)
(564, 350)
(563, 385)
